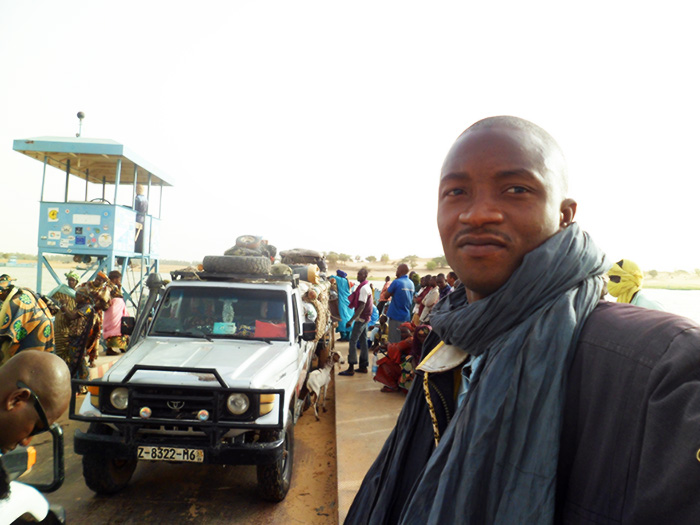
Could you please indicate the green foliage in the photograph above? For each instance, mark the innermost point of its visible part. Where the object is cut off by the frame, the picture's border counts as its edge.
(332, 257)
(384, 258)
(654, 273)
(440, 262)
(371, 258)
(411, 260)
(358, 258)
(431, 265)
(344, 257)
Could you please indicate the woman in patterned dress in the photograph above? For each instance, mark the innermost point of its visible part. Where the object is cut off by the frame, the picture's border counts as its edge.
(26, 323)
(64, 295)
(82, 331)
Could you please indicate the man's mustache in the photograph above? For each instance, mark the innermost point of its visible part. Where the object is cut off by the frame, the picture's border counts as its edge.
(481, 235)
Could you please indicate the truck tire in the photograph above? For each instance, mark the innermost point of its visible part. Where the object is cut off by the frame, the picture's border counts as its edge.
(103, 474)
(236, 264)
(301, 252)
(251, 242)
(240, 251)
(274, 479)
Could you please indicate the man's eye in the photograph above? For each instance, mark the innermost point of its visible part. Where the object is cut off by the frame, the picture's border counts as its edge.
(517, 189)
(454, 192)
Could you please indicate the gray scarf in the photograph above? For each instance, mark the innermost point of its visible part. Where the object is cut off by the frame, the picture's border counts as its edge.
(497, 460)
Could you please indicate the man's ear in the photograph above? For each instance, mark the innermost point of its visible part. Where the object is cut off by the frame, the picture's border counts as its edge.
(15, 398)
(568, 211)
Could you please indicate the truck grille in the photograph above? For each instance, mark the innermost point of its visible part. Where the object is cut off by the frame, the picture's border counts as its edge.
(182, 404)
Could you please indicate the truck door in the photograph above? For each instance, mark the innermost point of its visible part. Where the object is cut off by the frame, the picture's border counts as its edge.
(303, 355)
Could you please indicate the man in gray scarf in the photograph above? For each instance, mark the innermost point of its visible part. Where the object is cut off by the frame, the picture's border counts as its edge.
(535, 403)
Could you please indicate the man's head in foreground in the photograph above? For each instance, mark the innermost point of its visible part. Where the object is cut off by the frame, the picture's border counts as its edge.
(35, 390)
(502, 193)
(402, 270)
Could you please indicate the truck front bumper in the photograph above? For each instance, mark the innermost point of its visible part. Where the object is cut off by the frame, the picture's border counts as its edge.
(115, 446)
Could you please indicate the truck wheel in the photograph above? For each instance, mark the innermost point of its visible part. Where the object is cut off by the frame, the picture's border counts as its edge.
(106, 475)
(274, 479)
(249, 241)
(238, 264)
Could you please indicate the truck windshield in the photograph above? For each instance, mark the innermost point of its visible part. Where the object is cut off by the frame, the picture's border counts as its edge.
(230, 313)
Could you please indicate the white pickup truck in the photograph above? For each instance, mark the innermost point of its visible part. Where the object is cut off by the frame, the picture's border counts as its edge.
(214, 375)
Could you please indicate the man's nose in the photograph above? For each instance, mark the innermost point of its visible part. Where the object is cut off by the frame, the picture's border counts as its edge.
(480, 211)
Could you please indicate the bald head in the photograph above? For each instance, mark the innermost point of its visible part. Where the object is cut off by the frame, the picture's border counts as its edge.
(46, 375)
(402, 270)
(552, 154)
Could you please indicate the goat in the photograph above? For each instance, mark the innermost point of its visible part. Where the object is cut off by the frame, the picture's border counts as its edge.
(318, 381)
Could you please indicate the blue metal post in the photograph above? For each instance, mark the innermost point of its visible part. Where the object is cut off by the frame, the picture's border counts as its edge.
(150, 221)
(67, 179)
(43, 177)
(117, 178)
(39, 270)
(45, 262)
(133, 189)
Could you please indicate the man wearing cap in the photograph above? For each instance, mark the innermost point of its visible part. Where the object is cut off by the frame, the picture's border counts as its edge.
(26, 323)
(534, 402)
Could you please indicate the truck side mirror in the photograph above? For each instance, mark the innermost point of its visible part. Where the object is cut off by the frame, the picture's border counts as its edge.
(128, 324)
(308, 331)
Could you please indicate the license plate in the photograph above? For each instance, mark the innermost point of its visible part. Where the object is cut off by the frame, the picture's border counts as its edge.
(171, 454)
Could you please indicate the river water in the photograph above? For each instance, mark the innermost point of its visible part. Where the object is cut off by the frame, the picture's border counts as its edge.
(681, 302)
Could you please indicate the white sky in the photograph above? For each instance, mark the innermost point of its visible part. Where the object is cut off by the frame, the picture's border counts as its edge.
(324, 124)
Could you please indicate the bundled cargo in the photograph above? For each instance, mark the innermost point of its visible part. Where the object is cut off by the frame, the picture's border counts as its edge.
(303, 256)
(317, 296)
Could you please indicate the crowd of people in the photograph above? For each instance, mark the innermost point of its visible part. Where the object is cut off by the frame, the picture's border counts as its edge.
(398, 355)
(395, 328)
(70, 321)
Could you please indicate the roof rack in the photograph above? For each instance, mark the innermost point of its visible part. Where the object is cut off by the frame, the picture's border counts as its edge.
(234, 277)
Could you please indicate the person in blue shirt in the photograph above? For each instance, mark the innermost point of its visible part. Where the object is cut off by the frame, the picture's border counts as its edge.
(401, 291)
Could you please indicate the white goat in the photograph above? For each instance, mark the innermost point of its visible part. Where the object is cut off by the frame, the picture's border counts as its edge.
(318, 381)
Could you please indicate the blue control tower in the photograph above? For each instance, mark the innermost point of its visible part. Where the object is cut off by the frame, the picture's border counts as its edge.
(100, 234)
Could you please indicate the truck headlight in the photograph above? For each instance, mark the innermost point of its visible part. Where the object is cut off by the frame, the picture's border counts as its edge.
(119, 397)
(237, 404)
